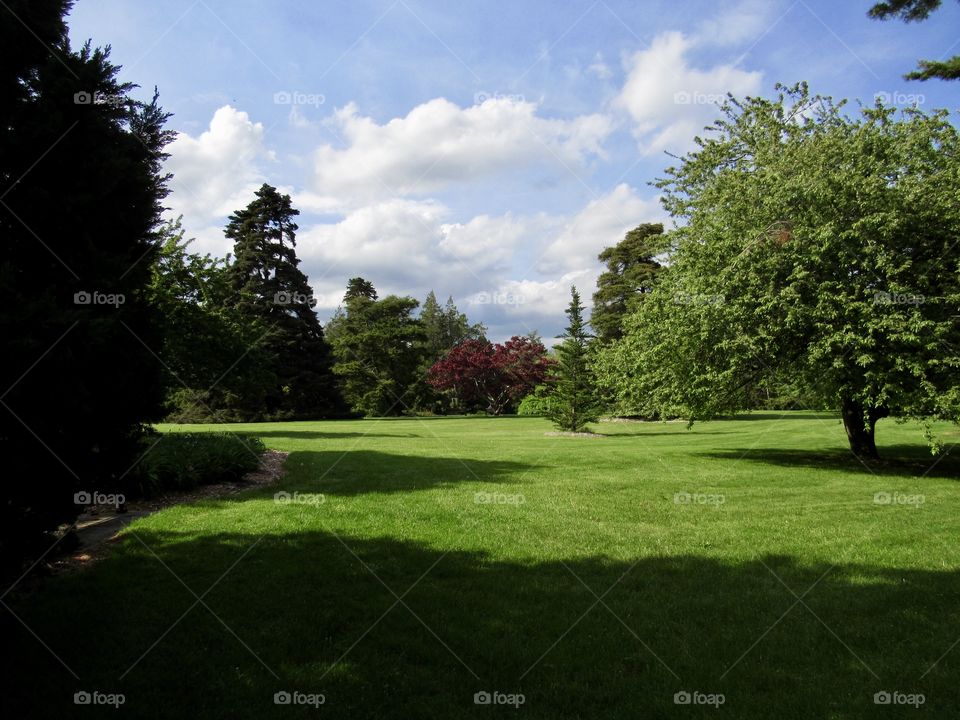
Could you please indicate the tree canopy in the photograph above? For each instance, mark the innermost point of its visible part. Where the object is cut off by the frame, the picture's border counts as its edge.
(914, 11)
(813, 243)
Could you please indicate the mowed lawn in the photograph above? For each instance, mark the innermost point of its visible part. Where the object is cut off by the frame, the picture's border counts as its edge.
(425, 561)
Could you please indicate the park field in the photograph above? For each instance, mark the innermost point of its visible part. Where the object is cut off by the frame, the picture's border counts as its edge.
(751, 566)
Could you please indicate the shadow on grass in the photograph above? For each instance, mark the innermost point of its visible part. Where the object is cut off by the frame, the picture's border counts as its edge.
(320, 435)
(896, 460)
(315, 612)
(355, 472)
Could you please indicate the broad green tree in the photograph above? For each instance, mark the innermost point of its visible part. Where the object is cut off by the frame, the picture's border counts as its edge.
(631, 273)
(914, 11)
(270, 288)
(573, 399)
(378, 345)
(816, 245)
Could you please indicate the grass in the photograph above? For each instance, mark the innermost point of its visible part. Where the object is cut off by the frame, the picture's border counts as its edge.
(452, 556)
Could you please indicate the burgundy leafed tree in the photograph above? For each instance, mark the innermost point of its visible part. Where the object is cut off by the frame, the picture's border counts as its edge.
(477, 371)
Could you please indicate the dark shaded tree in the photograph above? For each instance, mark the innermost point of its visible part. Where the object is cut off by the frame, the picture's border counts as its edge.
(81, 188)
(631, 273)
(271, 290)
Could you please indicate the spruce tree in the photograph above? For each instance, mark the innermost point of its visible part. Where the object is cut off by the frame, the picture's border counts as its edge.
(271, 289)
(573, 401)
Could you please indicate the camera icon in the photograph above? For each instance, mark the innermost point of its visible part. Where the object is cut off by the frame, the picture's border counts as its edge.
(682, 98)
(480, 98)
(282, 98)
(883, 97)
(882, 498)
(82, 698)
(282, 697)
(882, 698)
(682, 698)
(82, 98)
(82, 298)
(282, 298)
(82, 498)
(482, 698)
(282, 497)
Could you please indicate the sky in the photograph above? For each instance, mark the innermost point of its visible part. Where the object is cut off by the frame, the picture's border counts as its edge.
(485, 150)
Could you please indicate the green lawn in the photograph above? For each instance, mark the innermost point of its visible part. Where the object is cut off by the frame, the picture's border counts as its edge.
(583, 583)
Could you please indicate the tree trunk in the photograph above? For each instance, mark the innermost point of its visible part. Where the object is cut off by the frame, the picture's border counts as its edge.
(861, 430)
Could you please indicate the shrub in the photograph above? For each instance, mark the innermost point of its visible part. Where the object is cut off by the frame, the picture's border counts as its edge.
(180, 461)
(537, 403)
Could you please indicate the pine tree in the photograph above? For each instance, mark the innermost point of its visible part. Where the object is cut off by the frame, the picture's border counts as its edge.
(271, 288)
(631, 273)
(573, 400)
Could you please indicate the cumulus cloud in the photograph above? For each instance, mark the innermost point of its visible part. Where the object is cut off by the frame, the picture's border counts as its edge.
(602, 223)
(217, 171)
(669, 100)
(438, 145)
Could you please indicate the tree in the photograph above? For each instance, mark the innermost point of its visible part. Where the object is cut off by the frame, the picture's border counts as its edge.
(377, 344)
(915, 11)
(271, 290)
(492, 376)
(216, 369)
(631, 273)
(82, 187)
(815, 246)
(573, 401)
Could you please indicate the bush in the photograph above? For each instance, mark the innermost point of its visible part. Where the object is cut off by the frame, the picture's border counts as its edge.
(180, 461)
(537, 403)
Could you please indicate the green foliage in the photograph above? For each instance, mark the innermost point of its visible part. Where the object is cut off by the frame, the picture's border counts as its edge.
(814, 246)
(180, 461)
(914, 11)
(82, 195)
(631, 273)
(378, 347)
(537, 404)
(573, 399)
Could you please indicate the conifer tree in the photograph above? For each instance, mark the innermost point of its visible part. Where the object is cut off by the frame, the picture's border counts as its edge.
(574, 398)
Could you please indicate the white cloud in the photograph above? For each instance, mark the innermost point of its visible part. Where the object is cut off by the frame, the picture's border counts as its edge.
(439, 144)
(746, 21)
(602, 223)
(599, 68)
(669, 100)
(217, 171)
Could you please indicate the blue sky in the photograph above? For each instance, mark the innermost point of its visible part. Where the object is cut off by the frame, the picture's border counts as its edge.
(486, 150)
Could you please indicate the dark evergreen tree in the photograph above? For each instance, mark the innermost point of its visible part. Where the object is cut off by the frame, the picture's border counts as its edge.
(631, 272)
(358, 287)
(271, 289)
(80, 198)
(573, 401)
